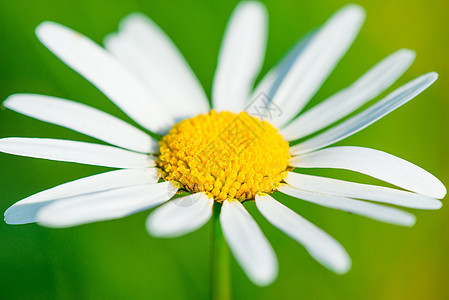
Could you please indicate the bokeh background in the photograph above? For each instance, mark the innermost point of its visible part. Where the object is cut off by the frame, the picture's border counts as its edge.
(119, 260)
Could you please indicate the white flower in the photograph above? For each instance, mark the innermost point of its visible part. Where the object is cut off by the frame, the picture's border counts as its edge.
(145, 75)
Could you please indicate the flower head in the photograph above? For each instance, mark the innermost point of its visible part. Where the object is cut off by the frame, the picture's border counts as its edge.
(241, 149)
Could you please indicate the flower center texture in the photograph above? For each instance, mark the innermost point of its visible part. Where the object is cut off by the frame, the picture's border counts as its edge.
(226, 155)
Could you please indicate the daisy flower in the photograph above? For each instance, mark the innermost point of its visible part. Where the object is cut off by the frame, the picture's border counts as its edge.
(249, 144)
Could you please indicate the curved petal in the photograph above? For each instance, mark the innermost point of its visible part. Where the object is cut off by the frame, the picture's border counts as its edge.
(142, 46)
(341, 104)
(317, 61)
(25, 210)
(367, 117)
(272, 80)
(377, 164)
(180, 216)
(82, 118)
(367, 209)
(73, 151)
(248, 244)
(321, 246)
(241, 57)
(336, 187)
(106, 73)
(105, 205)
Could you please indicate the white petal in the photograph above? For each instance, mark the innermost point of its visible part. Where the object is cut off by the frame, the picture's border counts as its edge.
(261, 105)
(155, 59)
(353, 125)
(318, 243)
(377, 164)
(317, 61)
(271, 81)
(106, 73)
(82, 118)
(25, 210)
(180, 216)
(370, 85)
(367, 209)
(112, 204)
(73, 151)
(241, 57)
(336, 187)
(248, 244)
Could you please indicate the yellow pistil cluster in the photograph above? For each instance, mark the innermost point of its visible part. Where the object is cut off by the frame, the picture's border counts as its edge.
(227, 155)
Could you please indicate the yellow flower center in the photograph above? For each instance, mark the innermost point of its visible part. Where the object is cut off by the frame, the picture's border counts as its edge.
(226, 155)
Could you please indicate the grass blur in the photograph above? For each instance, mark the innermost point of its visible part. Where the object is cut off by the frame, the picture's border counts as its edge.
(119, 260)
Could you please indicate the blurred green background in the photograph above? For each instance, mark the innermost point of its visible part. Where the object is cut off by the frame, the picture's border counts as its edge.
(119, 260)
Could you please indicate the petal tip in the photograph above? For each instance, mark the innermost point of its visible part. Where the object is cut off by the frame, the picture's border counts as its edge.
(133, 18)
(266, 278)
(441, 192)
(109, 40)
(343, 268)
(251, 4)
(433, 75)
(409, 222)
(408, 54)
(7, 217)
(437, 204)
(135, 15)
(52, 35)
(355, 10)
(7, 102)
(152, 228)
(11, 101)
(254, 8)
(43, 28)
(17, 215)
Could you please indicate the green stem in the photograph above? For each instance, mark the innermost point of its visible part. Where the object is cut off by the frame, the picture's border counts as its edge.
(220, 268)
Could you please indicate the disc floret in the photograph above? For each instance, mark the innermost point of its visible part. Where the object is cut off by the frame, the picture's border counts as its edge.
(227, 155)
